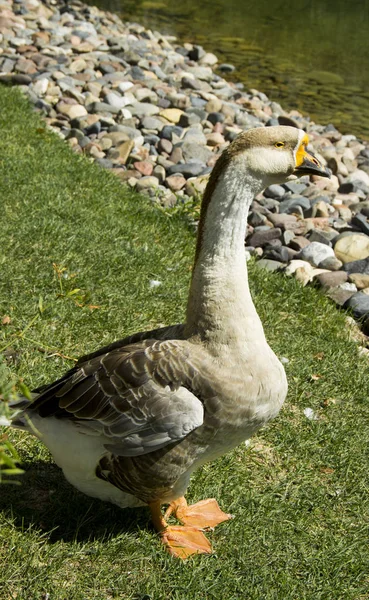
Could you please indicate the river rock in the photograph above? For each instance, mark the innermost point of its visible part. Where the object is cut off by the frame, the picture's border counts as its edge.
(361, 280)
(357, 266)
(359, 304)
(352, 247)
(331, 263)
(262, 238)
(147, 182)
(315, 253)
(331, 279)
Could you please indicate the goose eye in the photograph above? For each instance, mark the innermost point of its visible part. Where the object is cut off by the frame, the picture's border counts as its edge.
(279, 144)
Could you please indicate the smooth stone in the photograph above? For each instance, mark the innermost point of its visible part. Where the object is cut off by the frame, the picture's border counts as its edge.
(165, 146)
(296, 187)
(315, 252)
(193, 169)
(73, 111)
(175, 182)
(352, 247)
(361, 280)
(124, 151)
(289, 204)
(339, 295)
(361, 222)
(152, 123)
(318, 236)
(332, 263)
(102, 107)
(275, 191)
(169, 130)
(195, 136)
(195, 186)
(172, 114)
(192, 151)
(282, 220)
(299, 242)
(279, 253)
(269, 265)
(357, 266)
(332, 279)
(262, 238)
(116, 101)
(144, 167)
(143, 109)
(359, 304)
(147, 182)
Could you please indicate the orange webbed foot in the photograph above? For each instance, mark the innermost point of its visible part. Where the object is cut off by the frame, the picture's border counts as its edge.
(205, 514)
(182, 541)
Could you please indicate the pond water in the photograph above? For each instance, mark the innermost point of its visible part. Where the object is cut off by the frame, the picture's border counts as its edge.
(310, 55)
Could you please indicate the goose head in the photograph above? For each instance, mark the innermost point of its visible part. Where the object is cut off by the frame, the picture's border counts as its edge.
(273, 155)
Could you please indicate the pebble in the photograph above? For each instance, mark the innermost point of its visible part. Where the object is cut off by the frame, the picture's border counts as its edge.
(352, 247)
(129, 96)
(315, 253)
(359, 304)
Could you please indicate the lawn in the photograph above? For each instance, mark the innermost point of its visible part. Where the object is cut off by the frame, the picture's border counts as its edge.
(299, 490)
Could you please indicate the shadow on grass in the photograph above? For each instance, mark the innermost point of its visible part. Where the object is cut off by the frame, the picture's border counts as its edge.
(46, 501)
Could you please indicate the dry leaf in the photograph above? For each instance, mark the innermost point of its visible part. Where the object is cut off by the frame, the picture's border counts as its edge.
(315, 377)
(6, 320)
(319, 356)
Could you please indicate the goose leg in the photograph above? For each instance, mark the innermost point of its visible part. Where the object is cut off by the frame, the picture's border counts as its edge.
(205, 514)
(180, 541)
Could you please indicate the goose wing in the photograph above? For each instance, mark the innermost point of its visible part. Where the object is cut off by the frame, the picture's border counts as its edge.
(140, 397)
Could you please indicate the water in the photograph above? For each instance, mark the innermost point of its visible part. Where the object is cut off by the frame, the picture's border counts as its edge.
(309, 55)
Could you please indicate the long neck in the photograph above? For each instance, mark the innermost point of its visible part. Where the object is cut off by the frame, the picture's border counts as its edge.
(220, 310)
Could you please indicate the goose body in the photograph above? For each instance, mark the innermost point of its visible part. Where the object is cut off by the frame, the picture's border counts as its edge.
(131, 422)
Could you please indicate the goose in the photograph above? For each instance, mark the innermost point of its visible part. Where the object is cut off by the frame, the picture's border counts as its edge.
(130, 422)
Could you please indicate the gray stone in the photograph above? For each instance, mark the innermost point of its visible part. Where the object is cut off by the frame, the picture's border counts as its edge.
(332, 263)
(195, 136)
(143, 109)
(296, 187)
(318, 236)
(275, 191)
(193, 169)
(357, 266)
(280, 254)
(289, 204)
(269, 265)
(152, 123)
(98, 107)
(192, 151)
(315, 252)
(361, 222)
(359, 304)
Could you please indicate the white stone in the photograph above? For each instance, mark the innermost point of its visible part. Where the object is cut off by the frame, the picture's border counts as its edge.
(124, 86)
(316, 252)
(296, 264)
(360, 175)
(352, 247)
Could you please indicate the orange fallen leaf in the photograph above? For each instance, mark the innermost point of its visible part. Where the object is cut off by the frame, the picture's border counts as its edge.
(6, 320)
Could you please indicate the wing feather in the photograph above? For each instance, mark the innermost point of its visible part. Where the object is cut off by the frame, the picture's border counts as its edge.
(142, 396)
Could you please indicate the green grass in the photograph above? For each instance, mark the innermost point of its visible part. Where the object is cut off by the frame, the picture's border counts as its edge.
(299, 491)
